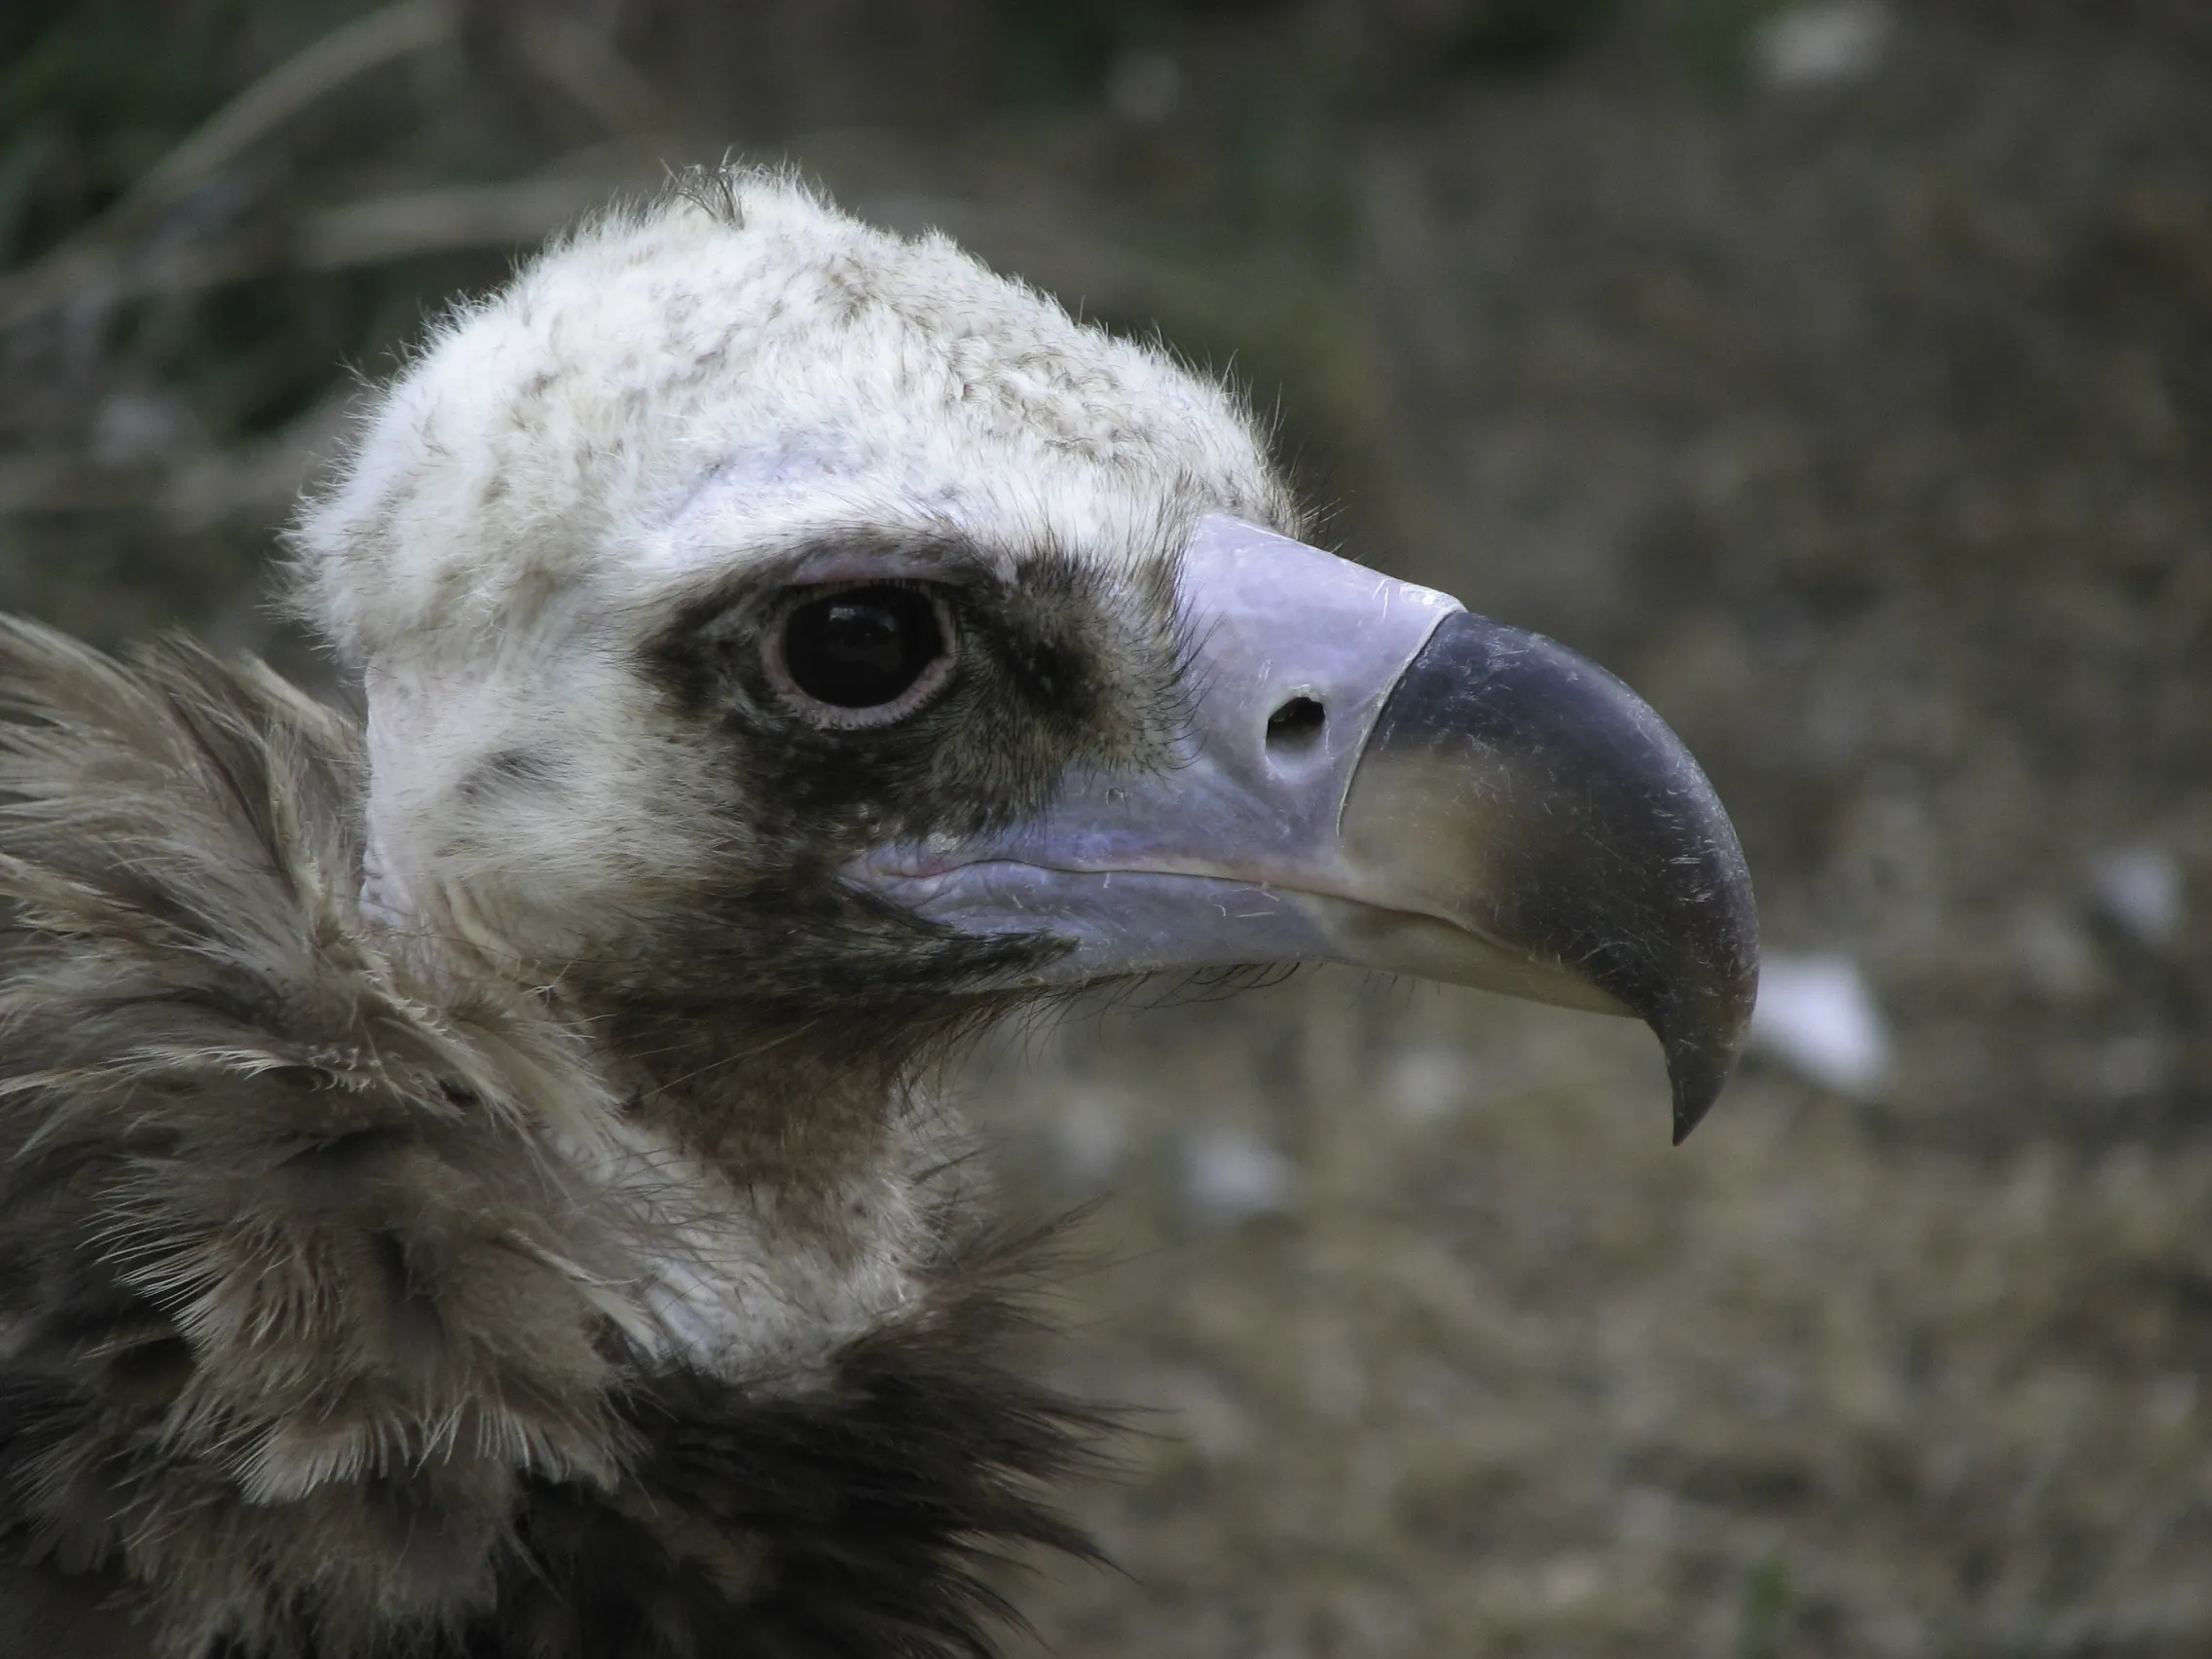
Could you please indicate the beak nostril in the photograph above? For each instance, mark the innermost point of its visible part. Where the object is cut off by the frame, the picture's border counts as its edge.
(1296, 728)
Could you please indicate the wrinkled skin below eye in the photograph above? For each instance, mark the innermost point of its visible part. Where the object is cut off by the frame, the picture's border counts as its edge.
(863, 654)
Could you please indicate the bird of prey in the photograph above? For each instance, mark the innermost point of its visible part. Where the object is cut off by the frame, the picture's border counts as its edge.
(465, 1190)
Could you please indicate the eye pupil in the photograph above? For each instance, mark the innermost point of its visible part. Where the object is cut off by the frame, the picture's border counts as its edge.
(862, 648)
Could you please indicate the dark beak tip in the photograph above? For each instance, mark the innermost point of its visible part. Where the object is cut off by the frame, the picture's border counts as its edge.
(1609, 853)
(1696, 1081)
(1701, 1059)
(1690, 1111)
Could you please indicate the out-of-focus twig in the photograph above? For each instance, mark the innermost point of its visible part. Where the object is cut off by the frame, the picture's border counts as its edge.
(387, 228)
(578, 62)
(294, 86)
(377, 230)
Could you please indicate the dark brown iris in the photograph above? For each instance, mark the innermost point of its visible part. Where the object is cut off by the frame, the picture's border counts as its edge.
(864, 647)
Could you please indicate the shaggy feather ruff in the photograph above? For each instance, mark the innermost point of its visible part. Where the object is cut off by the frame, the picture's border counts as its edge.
(323, 1330)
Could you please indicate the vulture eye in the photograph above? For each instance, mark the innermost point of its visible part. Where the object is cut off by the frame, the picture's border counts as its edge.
(856, 656)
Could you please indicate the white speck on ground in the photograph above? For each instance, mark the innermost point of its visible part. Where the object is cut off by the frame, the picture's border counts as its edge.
(1231, 1176)
(2140, 889)
(1820, 45)
(1089, 1137)
(1426, 1083)
(1818, 1015)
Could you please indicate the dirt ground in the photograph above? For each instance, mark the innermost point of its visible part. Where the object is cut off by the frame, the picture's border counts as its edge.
(1862, 419)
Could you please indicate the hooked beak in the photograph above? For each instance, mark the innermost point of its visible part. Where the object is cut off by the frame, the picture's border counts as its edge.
(1375, 776)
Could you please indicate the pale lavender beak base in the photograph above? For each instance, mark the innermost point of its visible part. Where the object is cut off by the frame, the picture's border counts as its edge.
(1373, 776)
(1213, 859)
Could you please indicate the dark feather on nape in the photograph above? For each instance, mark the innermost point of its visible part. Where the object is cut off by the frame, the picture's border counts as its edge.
(289, 1282)
(857, 1521)
(305, 1351)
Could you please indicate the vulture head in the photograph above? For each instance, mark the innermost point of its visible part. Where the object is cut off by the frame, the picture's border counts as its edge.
(785, 646)
(780, 631)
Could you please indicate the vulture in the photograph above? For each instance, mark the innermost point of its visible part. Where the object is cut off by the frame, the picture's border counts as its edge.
(469, 1184)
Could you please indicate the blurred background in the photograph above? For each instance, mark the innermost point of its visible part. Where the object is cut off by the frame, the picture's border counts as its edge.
(1840, 374)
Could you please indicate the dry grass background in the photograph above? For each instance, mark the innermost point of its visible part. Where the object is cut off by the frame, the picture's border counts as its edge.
(1863, 423)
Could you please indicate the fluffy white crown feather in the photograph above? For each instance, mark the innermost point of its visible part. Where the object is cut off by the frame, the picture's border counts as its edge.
(671, 393)
(677, 385)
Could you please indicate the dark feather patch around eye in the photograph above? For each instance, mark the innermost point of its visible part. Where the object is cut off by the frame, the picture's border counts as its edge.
(842, 743)
(1047, 668)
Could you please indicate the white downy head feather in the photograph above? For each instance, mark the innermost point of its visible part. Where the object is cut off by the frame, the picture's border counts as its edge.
(671, 391)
